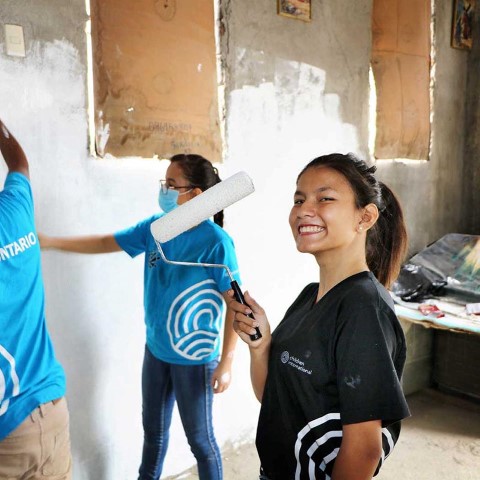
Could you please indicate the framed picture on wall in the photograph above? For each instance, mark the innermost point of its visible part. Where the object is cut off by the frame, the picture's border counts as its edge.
(462, 24)
(299, 9)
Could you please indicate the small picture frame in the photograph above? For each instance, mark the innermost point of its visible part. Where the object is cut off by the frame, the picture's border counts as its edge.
(298, 9)
(462, 24)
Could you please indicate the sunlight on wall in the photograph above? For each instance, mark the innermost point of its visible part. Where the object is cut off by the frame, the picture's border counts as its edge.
(372, 113)
(90, 97)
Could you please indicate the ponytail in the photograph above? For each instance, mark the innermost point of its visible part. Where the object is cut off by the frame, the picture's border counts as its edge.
(387, 239)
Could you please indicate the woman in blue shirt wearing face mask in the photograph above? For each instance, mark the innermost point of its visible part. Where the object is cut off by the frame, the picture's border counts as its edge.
(183, 317)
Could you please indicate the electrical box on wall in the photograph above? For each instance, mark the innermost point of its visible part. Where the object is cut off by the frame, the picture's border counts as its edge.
(14, 41)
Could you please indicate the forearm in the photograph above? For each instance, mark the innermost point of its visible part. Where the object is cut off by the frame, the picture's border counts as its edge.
(12, 152)
(84, 244)
(229, 338)
(259, 368)
(246, 318)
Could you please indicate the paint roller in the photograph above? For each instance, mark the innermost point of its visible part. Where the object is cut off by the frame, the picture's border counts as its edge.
(195, 211)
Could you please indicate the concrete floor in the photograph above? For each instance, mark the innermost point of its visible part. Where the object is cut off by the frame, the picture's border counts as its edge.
(440, 441)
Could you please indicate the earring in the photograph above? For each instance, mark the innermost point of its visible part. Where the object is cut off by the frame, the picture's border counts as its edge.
(360, 228)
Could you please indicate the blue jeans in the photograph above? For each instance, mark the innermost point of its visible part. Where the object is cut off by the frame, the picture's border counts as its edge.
(162, 384)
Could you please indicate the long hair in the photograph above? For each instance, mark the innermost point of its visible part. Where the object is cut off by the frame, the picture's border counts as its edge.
(386, 244)
(200, 173)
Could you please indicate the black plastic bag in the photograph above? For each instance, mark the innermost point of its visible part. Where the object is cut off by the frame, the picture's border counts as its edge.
(417, 283)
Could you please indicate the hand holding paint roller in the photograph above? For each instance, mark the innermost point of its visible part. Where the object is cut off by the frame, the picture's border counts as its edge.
(195, 211)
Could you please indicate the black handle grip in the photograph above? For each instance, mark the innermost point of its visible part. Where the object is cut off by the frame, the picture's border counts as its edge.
(240, 299)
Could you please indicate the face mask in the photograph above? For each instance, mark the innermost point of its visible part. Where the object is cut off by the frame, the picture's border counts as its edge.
(168, 200)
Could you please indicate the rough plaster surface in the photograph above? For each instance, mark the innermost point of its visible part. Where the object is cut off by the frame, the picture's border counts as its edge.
(293, 91)
(471, 190)
(94, 303)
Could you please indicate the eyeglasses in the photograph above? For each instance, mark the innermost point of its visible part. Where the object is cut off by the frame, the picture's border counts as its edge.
(165, 187)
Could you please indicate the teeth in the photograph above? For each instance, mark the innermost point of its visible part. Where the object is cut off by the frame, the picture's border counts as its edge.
(310, 229)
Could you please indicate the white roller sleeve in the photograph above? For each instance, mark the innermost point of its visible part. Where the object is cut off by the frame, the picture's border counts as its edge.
(202, 207)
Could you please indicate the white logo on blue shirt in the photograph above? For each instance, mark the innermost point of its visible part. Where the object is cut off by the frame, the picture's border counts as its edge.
(9, 370)
(19, 246)
(192, 320)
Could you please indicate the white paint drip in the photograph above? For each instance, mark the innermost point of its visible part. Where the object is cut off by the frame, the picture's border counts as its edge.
(103, 134)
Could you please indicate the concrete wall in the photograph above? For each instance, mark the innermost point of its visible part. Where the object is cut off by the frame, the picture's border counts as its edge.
(471, 185)
(418, 371)
(294, 90)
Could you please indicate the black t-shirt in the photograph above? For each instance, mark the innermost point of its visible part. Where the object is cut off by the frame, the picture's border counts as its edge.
(338, 361)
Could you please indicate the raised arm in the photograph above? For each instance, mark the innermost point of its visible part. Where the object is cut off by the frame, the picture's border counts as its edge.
(83, 244)
(12, 152)
(259, 349)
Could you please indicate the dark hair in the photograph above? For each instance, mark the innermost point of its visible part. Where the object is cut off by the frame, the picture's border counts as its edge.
(200, 173)
(387, 239)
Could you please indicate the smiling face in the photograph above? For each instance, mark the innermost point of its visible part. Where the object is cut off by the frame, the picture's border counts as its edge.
(324, 216)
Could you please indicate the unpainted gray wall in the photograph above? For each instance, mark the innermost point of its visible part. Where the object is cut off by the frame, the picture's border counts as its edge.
(471, 178)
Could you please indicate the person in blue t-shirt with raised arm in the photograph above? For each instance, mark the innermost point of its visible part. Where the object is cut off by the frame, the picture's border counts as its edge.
(183, 315)
(34, 419)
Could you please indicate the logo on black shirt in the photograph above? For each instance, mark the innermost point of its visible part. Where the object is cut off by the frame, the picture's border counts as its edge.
(294, 362)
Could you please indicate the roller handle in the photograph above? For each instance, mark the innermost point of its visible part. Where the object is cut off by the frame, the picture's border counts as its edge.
(241, 299)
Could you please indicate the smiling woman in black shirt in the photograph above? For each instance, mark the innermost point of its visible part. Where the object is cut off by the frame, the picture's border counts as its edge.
(328, 377)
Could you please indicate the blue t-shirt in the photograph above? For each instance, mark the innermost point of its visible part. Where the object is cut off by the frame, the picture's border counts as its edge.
(183, 305)
(29, 372)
